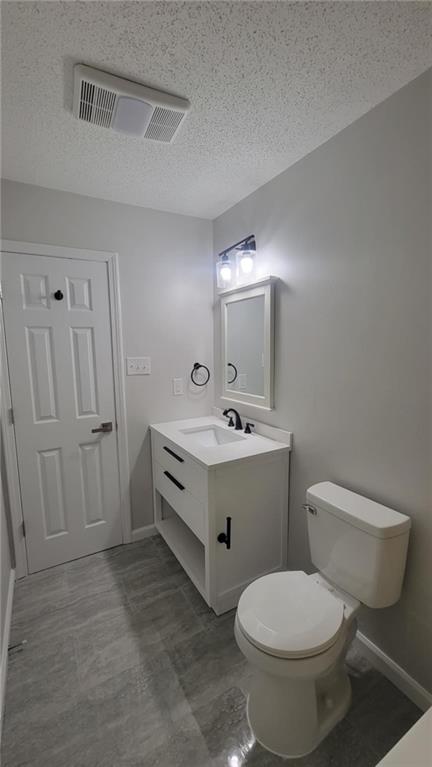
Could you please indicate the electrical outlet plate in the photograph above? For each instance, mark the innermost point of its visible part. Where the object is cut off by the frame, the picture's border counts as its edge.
(138, 366)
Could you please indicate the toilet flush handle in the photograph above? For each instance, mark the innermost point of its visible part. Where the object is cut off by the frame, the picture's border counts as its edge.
(309, 508)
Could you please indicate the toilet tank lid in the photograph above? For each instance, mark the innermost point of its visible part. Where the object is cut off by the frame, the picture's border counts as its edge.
(358, 511)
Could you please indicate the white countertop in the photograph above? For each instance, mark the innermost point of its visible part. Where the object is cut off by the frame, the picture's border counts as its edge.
(415, 748)
(252, 445)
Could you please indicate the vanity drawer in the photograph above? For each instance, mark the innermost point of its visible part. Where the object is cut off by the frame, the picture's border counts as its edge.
(180, 465)
(191, 511)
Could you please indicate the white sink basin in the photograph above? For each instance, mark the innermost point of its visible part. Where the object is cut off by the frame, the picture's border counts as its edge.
(209, 441)
(212, 436)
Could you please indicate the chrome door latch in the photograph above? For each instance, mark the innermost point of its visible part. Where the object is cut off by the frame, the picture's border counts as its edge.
(309, 508)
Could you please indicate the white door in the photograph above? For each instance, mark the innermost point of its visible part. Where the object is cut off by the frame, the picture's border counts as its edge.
(58, 338)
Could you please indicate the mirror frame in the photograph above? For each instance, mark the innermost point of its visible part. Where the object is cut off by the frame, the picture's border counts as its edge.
(264, 287)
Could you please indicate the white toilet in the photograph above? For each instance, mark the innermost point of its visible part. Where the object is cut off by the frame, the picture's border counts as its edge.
(295, 629)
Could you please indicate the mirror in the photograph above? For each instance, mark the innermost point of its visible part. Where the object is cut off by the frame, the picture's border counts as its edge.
(247, 344)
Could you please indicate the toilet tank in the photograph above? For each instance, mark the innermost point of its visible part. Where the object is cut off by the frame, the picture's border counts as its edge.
(357, 544)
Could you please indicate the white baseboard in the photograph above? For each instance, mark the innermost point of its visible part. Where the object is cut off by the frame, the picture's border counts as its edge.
(5, 644)
(143, 532)
(395, 673)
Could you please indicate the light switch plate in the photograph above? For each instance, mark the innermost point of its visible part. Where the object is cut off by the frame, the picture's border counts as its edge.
(138, 366)
(177, 386)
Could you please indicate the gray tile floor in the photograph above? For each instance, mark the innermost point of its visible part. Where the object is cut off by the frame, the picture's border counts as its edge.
(125, 666)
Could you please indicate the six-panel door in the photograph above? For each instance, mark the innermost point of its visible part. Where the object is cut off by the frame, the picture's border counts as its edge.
(59, 348)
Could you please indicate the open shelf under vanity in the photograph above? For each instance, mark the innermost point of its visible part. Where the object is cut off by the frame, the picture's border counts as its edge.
(189, 551)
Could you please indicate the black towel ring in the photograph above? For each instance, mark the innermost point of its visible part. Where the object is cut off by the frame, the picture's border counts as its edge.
(230, 365)
(196, 367)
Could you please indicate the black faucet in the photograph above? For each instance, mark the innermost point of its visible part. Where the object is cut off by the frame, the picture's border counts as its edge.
(238, 423)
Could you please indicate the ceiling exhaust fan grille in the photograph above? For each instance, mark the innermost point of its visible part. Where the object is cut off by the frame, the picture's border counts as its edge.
(125, 106)
(96, 104)
(163, 124)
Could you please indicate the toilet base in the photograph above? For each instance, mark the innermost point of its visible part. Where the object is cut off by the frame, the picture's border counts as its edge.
(290, 718)
(294, 703)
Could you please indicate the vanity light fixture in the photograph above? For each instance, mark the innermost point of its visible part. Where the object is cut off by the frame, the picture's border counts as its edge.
(243, 254)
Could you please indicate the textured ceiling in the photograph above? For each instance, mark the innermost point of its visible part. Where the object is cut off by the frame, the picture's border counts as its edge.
(268, 82)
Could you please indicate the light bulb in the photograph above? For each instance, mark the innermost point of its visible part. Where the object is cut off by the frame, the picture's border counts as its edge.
(246, 263)
(246, 260)
(225, 272)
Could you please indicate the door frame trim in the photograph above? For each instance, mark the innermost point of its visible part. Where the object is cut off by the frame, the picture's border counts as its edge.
(11, 464)
(111, 259)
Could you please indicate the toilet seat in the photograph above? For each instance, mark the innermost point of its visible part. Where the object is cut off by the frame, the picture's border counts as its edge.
(289, 615)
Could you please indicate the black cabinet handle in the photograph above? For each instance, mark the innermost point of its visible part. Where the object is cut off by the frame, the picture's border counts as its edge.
(174, 480)
(226, 537)
(171, 452)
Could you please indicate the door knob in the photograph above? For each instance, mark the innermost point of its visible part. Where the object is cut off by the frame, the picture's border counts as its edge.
(104, 428)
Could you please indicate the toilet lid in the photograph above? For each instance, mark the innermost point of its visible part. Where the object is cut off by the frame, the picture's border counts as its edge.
(289, 615)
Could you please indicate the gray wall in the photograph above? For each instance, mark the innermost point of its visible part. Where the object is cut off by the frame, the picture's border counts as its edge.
(347, 231)
(166, 294)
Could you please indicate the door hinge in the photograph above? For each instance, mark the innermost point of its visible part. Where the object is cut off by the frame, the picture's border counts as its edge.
(1, 291)
(23, 529)
(11, 416)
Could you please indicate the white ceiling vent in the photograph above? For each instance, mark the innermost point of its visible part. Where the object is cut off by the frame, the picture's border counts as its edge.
(125, 106)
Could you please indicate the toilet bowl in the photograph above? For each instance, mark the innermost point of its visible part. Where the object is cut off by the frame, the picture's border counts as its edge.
(299, 689)
(295, 629)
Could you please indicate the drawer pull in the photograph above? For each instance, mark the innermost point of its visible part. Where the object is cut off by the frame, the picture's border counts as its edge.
(226, 537)
(174, 480)
(171, 452)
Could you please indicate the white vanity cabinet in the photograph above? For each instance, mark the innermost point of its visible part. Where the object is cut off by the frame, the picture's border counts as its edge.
(222, 508)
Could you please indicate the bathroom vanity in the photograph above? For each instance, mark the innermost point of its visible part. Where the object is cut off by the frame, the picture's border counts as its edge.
(221, 503)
